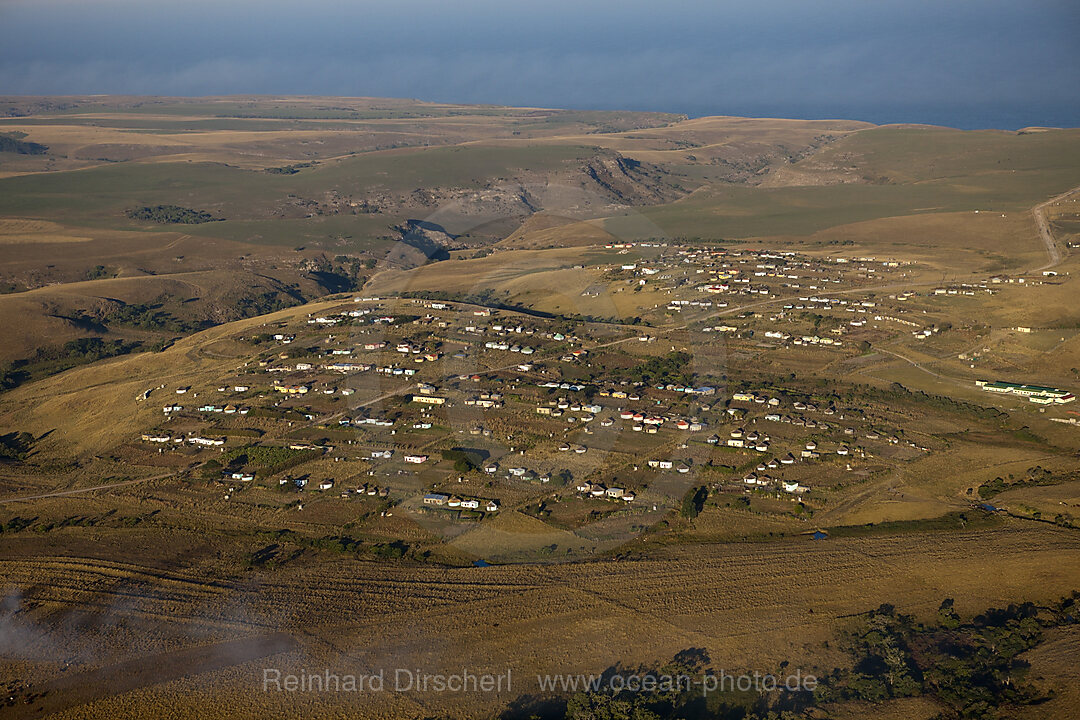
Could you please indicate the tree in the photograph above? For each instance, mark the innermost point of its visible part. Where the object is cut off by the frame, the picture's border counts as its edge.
(693, 502)
(947, 616)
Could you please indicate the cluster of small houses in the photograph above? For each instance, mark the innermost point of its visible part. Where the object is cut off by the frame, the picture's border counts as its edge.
(815, 302)
(678, 305)
(555, 408)
(727, 278)
(595, 490)
(752, 440)
(523, 349)
(680, 466)
(453, 501)
(341, 317)
(703, 390)
(500, 330)
(367, 489)
(361, 421)
(924, 333)
(225, 409)
(371, 490)
(755, 481)
(198, 440)
(748, 272)
(740, 438)
(630, 394)
(782, 336)
(729, 274)
(518, 472)
(643, 422)
(893, 318)
(773, 401)
(562, 386)
(395, 370)
(345, 316)
(487, 400)
(963, 289)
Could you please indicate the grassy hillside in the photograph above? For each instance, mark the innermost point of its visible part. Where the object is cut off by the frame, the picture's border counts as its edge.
(917, 154)
(876, 173)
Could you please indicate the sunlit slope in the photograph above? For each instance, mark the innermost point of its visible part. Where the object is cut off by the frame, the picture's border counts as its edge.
(904, 154)
(91, 408)
(877, 173)
(102, 194)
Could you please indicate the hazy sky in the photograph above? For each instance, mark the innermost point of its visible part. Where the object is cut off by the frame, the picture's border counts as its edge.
(967, 63)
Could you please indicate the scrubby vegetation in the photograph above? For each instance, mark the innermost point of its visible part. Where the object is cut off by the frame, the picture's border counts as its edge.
(898, 393)
(267, 459)
(49, 361)
(268, 302)
(972, 669)
(288, 545)
(1034, 477)
(151, 317)
(171, 214)
(13, 142)
(673, 368)
(98, 272)
(289, 169)
(107, 519)
(957, 520)
(693, 502)
(15, 445)
(465, 460)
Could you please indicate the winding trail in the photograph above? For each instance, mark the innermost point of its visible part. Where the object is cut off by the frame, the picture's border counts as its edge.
(80, 491)
(1055, 256)
(1053, 250)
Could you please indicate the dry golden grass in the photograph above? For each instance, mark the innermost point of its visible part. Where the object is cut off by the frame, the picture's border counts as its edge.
(546, 280)
(951, 242)
(702, 141)
(500, 271)
(23, 230)
(43, 312)
(1053, 668)
(512, 535)
(539, 231)
(750, 606)
(89, 409)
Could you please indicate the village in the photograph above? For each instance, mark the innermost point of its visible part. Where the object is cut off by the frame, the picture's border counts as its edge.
(445, 408)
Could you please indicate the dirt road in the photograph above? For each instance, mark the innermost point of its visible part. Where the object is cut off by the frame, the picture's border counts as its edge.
(1053, 249)
(81, 490)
